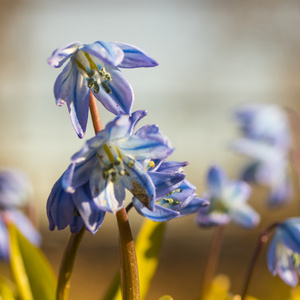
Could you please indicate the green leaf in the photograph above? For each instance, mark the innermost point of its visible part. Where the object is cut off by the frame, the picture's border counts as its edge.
(34, 276)
(6, 290)
(147, 247)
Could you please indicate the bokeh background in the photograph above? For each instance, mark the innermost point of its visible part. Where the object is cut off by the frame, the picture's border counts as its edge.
(214, 55)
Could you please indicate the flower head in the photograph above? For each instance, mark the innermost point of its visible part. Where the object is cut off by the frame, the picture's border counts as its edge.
(99, 173)
(95, 68)
(175, 196)
(284, 251)
(227, 202)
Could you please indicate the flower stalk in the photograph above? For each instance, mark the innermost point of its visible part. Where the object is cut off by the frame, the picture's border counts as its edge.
(212, 260)
(67, 264)
(262, 239)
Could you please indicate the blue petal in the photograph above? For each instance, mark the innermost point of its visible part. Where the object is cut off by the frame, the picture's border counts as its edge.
(139, 183)
(135, 118)
(24, 225)
(121, 98)
(90, 213)
(70, 87)
(148, 129)
(153, 147)
(119, 128)
(249, 174)
(105, 51)
(290, 237)
(212, 219)
(76, 224)
(158, 214)
(194, 205)
(236, 192)
(216, 181)
(134, 57)
(165, 183)
(271, 255)
(60, 207)
(244, 215)
(172, 166)
(280, 193)
(4, 242)
(60, 55)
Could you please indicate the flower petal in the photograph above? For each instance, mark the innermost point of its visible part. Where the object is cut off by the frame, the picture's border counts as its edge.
(91, 215)
(105, 51)
(121, 98)
(139, 183)
(134, 57)
(154, 147)
(60, 55)
(193, 206)
(244, 215)
(216, 181)
(271, 255)
(70, 87)
(165, 183)
(60, 207)
(158, 214)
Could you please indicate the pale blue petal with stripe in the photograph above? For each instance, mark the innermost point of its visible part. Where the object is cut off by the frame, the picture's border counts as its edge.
(105, 51)
(134, 57)
(60, 55)
(244, 215)
(216, 181)
(121, 98)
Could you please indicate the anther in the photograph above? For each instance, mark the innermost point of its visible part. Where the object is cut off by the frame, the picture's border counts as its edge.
(106, 87)
(130, 164)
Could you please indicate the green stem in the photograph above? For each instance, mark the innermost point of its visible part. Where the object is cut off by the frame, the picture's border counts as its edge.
(212, 260)
(67, 264)
(128, 262)
(262, 239)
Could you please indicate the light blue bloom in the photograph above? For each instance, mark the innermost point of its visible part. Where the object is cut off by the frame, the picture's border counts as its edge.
(265, 122)
(269, 167)
(95, 67)
(284, 251)
(15, 189)
(228, 202)
(175, 196)
(99, 173)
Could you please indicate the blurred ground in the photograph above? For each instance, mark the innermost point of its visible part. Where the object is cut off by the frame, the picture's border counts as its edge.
(213, 55)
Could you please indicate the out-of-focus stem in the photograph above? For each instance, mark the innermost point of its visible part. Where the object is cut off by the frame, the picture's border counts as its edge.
(262, 239)
(212, 260)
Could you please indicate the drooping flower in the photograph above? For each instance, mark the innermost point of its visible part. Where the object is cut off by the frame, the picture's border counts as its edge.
(99, 173)
(269, 167)
(228, 202)
(284, 251)
(266, 141)
(15, 189)
(175, 196)
(265, 122)
(95, 68)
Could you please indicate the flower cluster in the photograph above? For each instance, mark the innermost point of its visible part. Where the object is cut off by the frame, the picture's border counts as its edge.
(266, 139)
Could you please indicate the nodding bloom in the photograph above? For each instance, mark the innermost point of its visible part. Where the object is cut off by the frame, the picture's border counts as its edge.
(15, 188)
(175, 196)
(99, 173)
(267, 141)
(283, 255)
(228, 202)
(95, 68)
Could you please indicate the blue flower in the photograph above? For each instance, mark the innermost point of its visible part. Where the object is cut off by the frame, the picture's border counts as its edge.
(99, 173)
(265, 122)
(175, 196)
(15, 188)
(95, 68)
(227, 202)
(269, 167)
(284, 251)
